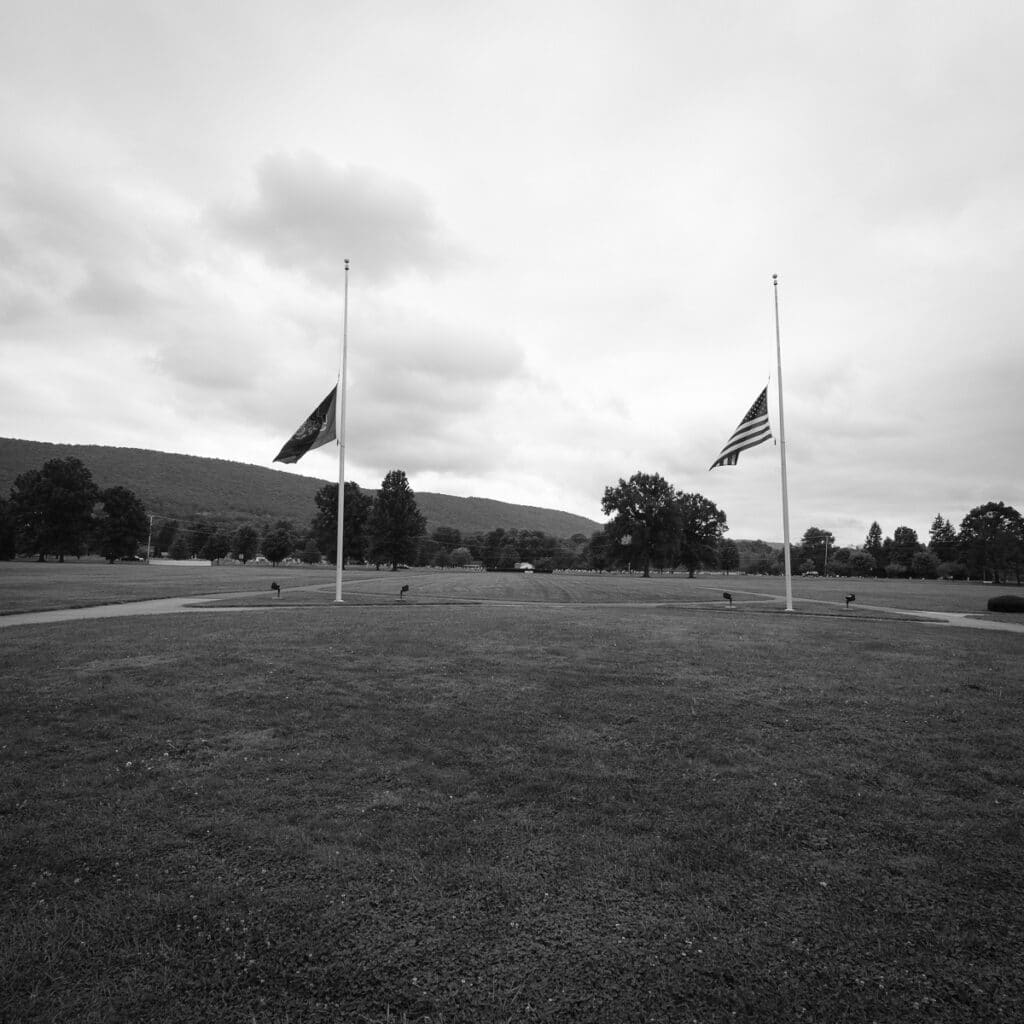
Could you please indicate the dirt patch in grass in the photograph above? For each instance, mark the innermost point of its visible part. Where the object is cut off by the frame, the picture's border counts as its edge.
(503, 812)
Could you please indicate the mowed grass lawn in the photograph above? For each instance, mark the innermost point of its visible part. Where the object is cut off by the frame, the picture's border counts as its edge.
(454, 808)
(30, 586)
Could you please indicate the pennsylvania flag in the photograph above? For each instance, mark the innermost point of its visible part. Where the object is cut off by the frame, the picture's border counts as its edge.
(318, 429)
(753, 429)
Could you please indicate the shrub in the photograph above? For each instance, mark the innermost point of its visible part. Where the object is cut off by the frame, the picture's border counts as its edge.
(1006, 603)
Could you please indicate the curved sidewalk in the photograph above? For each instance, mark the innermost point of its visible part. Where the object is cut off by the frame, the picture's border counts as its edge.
(952, 619)
(199, 602)
(965, 619)
(157, 606)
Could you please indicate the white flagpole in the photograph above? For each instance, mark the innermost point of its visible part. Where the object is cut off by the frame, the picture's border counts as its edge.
(340, 431)
(782, 455)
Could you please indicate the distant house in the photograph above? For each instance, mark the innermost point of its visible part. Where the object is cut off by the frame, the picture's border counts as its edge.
(523, 567)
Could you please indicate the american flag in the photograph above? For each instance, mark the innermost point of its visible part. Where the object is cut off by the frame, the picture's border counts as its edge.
(753, 429)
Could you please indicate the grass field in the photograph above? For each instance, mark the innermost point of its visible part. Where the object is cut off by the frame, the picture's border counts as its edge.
(30, 586)
(33, 586)
(509, 798)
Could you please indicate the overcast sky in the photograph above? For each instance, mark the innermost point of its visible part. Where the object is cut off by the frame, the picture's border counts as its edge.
(562, 218)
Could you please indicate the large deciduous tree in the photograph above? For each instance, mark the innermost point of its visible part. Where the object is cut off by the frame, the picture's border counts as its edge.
(180, 549)
(655, 523)
(815, 545)
(904, 546)
(755, 555)
(121, 525)
(310, 553)
(199, 532)
(728, 556)
(217, 546)
(992, 540)
(861, 564)
(325, 522)
(500, 548)
(164, 536)
(8, 531)
(924, 565)
(246, 542)
(279, 542)
(395, 522)
(701, 525)
(53, 508)
(646, 515)
(599, 553)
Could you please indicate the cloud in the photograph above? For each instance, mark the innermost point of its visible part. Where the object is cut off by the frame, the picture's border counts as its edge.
(310, 216)
(224, 341)
(84, 246)
(106, 294)
(43, 229)
(430, 393)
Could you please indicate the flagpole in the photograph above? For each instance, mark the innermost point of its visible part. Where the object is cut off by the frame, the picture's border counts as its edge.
(340, 431)
(782, 455)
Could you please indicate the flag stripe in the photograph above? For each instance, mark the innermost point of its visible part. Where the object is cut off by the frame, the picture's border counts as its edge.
(318, 428)
(753, 430)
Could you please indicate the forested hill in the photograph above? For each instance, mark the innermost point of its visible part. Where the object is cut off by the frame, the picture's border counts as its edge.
(186, 486)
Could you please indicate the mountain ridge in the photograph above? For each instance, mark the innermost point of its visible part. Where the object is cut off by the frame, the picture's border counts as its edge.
(174, 486)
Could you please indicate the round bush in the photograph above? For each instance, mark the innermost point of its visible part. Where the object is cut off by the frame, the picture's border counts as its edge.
(1006, 603)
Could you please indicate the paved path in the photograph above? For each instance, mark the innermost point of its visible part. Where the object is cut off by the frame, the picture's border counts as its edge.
(197, 603)
(965, 619)
(159, 606)
(945, 618)
(165, 606)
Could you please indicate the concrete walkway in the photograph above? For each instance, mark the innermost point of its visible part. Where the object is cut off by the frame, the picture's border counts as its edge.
(951, 618)
(159, 606)
(195, 603)
(964, 619)
(967, 620)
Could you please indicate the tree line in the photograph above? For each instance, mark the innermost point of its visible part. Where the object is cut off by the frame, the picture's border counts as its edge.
(653, 526)
(58, 511)
(988, 545)
(389, 529)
